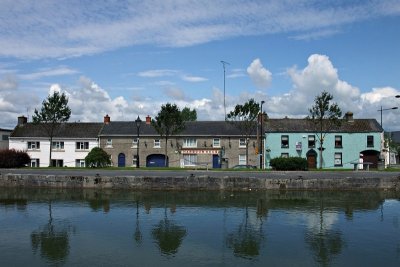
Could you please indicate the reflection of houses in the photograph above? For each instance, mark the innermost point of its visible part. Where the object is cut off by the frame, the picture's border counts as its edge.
(205, 144)
(355, 140)
(71, 143)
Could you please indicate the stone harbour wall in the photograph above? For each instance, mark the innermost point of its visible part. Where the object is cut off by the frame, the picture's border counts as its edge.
(200, 182)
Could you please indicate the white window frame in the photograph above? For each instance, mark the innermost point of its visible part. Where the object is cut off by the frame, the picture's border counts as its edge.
(135, 142)
(284, 155)
(242, 142)
(82, 145)
(157, 143)
(190, 142)
(33, 145)
(109, 142)
(80, 163)
(190, 159)
(338, 159)
(57, 145)
(242, 159)
(285, 138)
(216, 142)
(35, 163)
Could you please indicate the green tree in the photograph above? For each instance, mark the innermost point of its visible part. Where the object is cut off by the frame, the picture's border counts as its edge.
(54, 111)
(188, 114)
(244, 117)
(97, 157)
(324, 117)
(168, 122)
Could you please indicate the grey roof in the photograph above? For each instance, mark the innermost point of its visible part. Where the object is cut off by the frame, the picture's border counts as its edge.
(192, 128)
(287, 125)
(67, 130)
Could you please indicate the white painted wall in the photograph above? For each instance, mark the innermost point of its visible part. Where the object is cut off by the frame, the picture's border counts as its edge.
(69, 154)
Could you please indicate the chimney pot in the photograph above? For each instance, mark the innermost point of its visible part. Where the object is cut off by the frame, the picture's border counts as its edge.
(107, 119)
(148, 120)
(22, 120)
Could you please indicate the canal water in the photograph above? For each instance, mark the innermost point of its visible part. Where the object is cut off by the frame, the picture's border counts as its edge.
(47, 227)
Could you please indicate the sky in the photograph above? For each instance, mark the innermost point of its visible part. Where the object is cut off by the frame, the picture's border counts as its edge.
(127, 58)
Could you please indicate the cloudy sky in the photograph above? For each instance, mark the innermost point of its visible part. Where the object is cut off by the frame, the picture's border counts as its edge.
(127, 58)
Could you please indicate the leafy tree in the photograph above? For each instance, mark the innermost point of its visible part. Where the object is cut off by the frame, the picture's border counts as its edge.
(168, 122)
(324, 117)
(10, 158)
(54, 111)
(97, 157)
(188, 114)
(244, 117)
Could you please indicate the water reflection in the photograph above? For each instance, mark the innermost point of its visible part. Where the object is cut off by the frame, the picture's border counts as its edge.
(52, 239)
(167, 234)
(208, 228)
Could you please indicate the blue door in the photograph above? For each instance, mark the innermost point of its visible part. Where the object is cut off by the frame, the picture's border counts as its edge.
(121, 160)
(216, 162)
(155, 160)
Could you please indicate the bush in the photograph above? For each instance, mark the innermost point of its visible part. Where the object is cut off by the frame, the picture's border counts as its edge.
(11, 158)
(97, 157)
(289, 164)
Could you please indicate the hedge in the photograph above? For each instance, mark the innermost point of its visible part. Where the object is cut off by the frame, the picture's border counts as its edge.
(11, 158)
(289, 164)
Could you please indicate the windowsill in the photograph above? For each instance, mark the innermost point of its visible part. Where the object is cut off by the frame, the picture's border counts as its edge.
(156, 147)
(33, 150)
(108, 146)
(58, 150)
(216, 146)
(284, 146)
(242, 146)
(338, 146)
(82, 150)
(189, 147)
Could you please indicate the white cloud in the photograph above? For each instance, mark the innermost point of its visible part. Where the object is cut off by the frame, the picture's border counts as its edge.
(193, 79)
(260, 76)
(72, 29)
(157, 73)
(58, 71)
(379, 94)
(175, 93)
(9, 82)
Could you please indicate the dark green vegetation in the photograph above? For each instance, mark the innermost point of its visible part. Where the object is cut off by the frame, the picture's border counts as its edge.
(289, 164)
(10, 158)
(97, 158)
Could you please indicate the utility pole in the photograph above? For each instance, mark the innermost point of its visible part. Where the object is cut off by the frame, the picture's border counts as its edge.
(224, 63)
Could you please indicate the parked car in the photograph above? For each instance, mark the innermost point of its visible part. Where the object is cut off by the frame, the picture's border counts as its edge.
(244, 166)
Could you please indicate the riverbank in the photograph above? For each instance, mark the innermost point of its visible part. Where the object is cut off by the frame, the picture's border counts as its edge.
(200, 180)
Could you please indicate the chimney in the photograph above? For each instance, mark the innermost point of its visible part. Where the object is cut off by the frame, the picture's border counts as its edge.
(349, 116)
(22, 120)
(106, 119)
(148, 120)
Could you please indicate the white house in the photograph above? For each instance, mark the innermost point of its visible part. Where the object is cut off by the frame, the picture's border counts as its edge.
(70, 145)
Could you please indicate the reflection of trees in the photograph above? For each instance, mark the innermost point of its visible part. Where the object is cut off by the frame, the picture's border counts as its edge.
(324, 242)
(138, 233)
(168, 235)
(246, 240)
(98, 204)
(53, 240)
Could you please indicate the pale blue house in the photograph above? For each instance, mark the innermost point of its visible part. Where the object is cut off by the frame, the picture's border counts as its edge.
(356, 140)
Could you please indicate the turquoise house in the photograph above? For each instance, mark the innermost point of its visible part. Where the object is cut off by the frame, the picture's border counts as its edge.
(355, 141)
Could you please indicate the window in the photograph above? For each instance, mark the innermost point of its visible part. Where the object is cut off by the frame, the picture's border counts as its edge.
(242, 159)
(338, 159)
(33, 145)
(35, 163)
(285, 141)
(57, 163)
(189, 142)
(370, 141)
(82, 145)
(338, 141)
(4, 137)
(190, 159)
(135, 143)
(311, 141)
(57, 145)
(134, 161)
(284, 155)
(80, 163)
(109, 142)
(216, 142)
(157, 143)
(242, 142)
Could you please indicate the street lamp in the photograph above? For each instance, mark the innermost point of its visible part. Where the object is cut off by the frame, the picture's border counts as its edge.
(138, 122)
(262, 137)
(383, 109)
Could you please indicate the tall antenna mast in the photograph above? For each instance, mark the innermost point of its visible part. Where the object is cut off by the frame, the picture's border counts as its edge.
(223, 65)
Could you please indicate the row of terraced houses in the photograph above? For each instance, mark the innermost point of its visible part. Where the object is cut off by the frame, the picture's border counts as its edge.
(202, 144)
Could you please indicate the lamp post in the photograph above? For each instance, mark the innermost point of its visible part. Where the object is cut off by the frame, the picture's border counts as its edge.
(138, 122)
(261, 149)
(383, 109)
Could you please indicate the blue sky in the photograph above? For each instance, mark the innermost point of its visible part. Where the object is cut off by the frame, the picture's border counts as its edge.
(127, 58)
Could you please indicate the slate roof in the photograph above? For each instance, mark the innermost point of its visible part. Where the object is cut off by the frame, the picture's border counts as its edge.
(287, 125)
(67, 130)
(193, 128)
